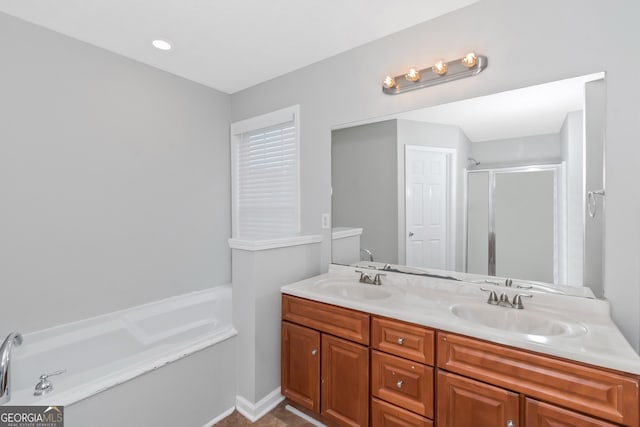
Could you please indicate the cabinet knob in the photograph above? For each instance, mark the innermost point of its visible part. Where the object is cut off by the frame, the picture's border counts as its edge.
(400, 383)
(511, 424)
(314, 352)
(400, 341)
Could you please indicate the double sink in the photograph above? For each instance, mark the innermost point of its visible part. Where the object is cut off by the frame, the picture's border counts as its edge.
(531, 321)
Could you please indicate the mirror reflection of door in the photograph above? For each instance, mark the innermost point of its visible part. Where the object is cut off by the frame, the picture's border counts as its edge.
(427, 200)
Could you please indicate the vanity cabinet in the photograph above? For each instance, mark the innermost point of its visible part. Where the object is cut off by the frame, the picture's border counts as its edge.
(578, 389)
(325, 360)
(351, 368)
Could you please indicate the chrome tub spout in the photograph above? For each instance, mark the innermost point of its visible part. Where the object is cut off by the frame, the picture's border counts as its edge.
(5, 364)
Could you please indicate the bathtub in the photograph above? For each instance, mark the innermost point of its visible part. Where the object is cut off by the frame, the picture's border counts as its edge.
(102, 352)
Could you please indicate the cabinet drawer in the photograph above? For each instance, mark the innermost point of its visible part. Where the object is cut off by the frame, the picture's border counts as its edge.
(603, 394)
(539, 414)
(341, 322)
(403, 339)
(384, 414)
(402, 382)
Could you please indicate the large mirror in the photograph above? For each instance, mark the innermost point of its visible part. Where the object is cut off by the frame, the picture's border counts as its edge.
(505, 186)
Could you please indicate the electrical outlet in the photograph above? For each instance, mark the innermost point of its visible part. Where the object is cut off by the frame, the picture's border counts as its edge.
(326, 221)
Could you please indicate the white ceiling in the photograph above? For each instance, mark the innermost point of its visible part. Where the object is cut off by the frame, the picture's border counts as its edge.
(229, 45)
(534, 110)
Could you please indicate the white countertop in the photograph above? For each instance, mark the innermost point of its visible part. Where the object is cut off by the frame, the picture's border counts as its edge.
(429, 301)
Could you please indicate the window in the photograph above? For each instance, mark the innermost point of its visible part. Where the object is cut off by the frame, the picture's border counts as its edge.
(265, 175)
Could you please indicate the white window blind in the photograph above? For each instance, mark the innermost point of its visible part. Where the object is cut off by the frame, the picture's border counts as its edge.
(266, 188)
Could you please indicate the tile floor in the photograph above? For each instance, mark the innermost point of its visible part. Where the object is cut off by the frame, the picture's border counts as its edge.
(278, 417)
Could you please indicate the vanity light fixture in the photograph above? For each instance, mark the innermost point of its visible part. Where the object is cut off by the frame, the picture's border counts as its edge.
(441, 72)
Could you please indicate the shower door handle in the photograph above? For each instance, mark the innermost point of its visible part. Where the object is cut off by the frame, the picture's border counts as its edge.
(591, 201)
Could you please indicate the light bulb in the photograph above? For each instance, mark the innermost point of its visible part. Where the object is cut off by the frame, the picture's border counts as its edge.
(413, 75)
(389, 82)
(439, 68)
(470, 59)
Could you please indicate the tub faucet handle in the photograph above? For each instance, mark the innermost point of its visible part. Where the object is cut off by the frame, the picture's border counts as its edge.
(44, 386)
(45, 376)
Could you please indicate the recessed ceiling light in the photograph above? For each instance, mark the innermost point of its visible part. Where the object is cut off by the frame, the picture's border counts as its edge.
(161, 44)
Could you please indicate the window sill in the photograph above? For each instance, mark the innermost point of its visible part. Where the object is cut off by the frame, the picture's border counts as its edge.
(280, 242)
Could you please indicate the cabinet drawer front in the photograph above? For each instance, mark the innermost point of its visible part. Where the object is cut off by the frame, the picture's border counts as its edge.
(403, 339)
(402, 382)
(539, 414)
(384, 414)
(342, 322)
(603, 394)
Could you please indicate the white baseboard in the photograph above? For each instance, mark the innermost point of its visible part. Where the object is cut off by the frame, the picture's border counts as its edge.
(225, 414)
(304, 416)
(253, 412)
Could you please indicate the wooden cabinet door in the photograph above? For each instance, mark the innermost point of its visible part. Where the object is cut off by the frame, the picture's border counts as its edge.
(345, 382)
(463, 402)
(539, 414)
(300, 371)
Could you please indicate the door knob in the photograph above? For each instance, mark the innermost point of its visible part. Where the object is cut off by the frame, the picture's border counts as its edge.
(411, 234)
(314, 352)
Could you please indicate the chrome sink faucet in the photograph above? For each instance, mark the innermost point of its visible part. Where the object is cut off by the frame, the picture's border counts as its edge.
(369, 279)
(5, 360)
(503, 300)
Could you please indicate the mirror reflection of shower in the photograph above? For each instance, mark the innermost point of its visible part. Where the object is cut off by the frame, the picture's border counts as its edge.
(472, 162)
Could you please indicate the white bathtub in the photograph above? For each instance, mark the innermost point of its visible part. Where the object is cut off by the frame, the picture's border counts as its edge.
(104, 351)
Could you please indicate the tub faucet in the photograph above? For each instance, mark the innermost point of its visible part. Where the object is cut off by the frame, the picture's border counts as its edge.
(5, 359)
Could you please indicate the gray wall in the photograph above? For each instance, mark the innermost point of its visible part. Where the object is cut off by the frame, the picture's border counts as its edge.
(365, 193)
(257, 278)
(114, 181)
(525, 149)
(509, 34)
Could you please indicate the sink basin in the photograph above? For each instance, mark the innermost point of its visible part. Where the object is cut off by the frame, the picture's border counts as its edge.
(519, 321)
(356, 291)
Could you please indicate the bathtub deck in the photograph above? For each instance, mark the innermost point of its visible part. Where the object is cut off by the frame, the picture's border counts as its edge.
(278, 417)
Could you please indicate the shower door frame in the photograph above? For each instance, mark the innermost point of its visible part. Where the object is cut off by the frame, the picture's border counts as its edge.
(559, 214)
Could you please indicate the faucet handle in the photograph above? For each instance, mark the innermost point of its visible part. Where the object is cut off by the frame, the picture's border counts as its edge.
(517, 300)
(376, 280)
(508, 283)
(45, 376)
(364, 277)
(493, 297)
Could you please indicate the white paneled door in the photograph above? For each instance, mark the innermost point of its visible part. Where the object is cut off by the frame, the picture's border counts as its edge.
(427, 201)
